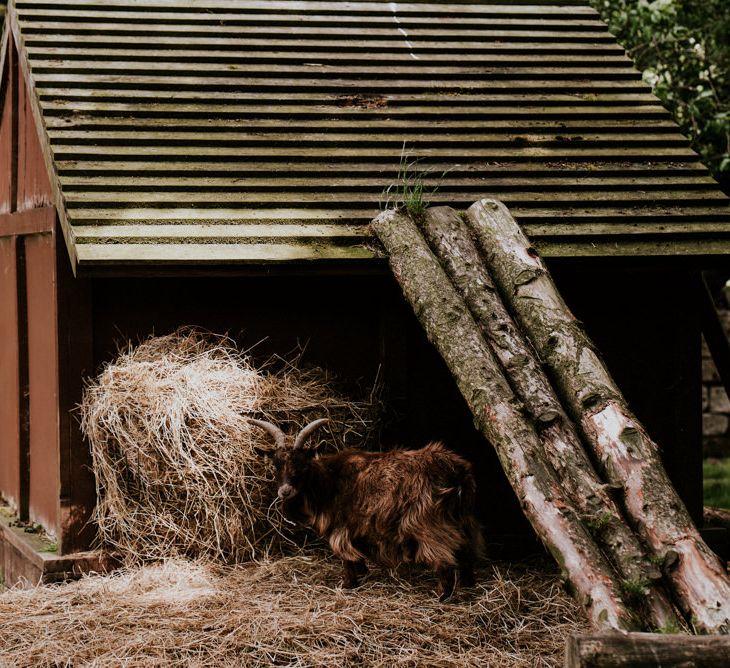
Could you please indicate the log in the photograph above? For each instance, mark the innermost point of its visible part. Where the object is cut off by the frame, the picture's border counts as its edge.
(499, 415)
(624, 452)
(647, 650)
(449, 238)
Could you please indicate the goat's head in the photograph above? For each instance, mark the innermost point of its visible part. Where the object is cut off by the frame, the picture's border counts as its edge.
(291, 458)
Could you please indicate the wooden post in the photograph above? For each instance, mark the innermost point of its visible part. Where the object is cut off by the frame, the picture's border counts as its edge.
(647, 650)
(500, 417)
(627, 457)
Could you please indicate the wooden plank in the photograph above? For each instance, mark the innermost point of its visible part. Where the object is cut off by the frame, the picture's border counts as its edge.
(190, 232)
(385, 173)
(349, 198)
(289, 212)
(226, 103)
(306, 18)
(632, 228)
(342, 85)
(9, 126)
(43, 382)
(30, 221)
(233, 170)
(549, 180)
(77, 489)
(562, 8)
(81, 123)
(37, 116)
(238, 139)
(10, 397)
(407, 69)
(225, 233)
(122, 153)
(393, 45)
(202, 216)
(647, 650)
(120, 254)
(598, 34)
(661, 214)
(33, 185)
(175, 54)
(23, 415)
(713, 331)
(616, 247)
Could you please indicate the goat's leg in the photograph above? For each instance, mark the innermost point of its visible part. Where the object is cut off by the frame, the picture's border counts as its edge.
(447, 581)
(352, 570)
(465, 557)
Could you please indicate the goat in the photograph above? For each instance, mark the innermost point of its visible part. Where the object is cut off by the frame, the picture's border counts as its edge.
(392, 507)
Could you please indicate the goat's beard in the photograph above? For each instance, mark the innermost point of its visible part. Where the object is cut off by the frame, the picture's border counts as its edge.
(295, 509)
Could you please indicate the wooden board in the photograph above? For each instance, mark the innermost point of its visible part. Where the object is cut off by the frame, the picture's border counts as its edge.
(647, 650)
(200, 129)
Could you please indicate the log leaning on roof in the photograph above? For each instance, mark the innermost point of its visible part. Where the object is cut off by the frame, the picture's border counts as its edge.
(449, 238)
(498, 414)
(627, 456)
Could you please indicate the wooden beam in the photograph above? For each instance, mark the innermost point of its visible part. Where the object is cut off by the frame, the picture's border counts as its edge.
(23, 384)
(27, 80)
(647, 650)
(714, 332)
(30, 221)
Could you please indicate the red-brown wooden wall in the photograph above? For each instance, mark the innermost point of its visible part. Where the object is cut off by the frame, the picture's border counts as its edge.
(39, 443)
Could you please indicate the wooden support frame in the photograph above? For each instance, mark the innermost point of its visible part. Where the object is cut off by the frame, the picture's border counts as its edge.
(714, 332)
(647, 650)
(31, 221)
(23, 384)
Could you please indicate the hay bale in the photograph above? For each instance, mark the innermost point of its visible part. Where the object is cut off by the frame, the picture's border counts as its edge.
(287, 613)
(174, 456)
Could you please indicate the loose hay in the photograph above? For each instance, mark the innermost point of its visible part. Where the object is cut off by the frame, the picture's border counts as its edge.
(286, 613)
(173, 453)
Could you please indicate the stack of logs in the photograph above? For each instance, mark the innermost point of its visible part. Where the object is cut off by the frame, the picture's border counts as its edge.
(588, 476)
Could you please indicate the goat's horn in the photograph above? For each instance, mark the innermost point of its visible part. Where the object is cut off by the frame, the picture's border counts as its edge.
(273, 430)
(304, 433)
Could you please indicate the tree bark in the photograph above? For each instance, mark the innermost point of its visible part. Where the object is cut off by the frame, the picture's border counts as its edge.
(627, 457)
(499, 415)
(647, 650)
(449, 238)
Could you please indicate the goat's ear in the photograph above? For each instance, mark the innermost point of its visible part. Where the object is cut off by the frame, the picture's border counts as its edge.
(267, 452)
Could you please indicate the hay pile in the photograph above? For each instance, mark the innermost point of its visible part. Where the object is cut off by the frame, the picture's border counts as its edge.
(286, 613)
(173, 453)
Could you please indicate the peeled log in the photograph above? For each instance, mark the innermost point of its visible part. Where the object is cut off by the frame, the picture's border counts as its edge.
(627, 456)
(498, 414)
(449, 238)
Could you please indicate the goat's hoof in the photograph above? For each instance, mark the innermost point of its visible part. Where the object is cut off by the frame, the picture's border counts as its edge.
(468, 581)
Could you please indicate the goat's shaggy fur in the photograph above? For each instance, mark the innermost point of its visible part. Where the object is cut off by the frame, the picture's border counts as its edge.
(393, 507)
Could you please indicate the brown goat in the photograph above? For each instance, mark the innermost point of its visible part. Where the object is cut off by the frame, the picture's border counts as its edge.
(392, 507)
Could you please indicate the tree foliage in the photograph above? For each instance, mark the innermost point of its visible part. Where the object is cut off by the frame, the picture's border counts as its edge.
(683, 47)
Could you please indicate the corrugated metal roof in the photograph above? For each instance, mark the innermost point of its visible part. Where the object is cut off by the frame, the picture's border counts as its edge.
(236, 131)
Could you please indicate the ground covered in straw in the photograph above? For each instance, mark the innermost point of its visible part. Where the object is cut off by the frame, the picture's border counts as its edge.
(288, 612)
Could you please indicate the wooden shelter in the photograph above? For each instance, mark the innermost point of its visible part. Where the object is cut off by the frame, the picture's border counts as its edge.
(216, 162)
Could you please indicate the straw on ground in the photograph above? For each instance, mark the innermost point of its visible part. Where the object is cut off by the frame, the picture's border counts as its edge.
(288, 612)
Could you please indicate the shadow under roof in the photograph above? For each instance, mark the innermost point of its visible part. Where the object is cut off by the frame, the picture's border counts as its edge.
(226, 131)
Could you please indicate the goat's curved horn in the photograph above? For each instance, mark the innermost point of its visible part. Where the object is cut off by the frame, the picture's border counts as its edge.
(273, 430)
(304, 433)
